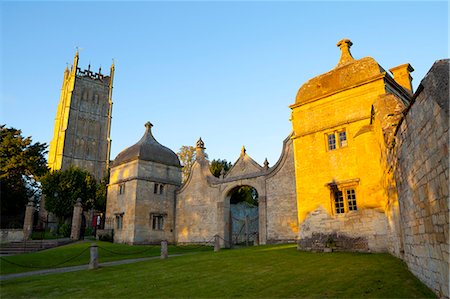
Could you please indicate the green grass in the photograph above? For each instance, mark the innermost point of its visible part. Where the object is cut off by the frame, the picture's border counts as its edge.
(78, 254)
(261, 272)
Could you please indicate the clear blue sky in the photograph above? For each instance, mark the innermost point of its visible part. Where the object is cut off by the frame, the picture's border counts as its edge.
(225, 71)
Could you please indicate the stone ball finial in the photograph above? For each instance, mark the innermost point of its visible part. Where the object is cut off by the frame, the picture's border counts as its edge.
(200, 143)
(346, 57)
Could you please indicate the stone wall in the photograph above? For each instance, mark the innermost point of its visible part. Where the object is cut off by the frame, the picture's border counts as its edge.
(362, 230)
(282, 223)
(11, 235)
(422, 173)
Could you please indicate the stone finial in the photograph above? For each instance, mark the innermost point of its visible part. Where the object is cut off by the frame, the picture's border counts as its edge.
(200, 143)
(266, 164)
(346, 57)
(222, 173)
(148, 125)
(243, 151)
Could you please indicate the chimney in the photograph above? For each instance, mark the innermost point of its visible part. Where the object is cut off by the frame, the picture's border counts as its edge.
(402, 76)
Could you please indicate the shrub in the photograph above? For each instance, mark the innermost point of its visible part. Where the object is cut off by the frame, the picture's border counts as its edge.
(65, 230)
(88, 231)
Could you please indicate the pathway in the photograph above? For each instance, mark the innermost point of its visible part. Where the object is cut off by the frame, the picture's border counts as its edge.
(77, 268)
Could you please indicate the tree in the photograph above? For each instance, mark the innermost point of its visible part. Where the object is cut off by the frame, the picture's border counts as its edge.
(217, 166)
(100, 194)
(245, 193)
(186, 154)
(62, 188)
(22, 164)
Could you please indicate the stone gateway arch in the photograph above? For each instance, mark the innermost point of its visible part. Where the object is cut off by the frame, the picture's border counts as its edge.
(203, 202)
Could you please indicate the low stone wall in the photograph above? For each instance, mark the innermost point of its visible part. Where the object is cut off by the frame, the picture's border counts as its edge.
(422, 176)
(11, 235)
(363, 230)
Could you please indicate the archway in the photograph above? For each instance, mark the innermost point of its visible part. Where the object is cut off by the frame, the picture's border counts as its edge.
(244, 215)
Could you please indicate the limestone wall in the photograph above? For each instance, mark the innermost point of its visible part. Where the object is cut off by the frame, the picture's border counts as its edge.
(362, 230)
(282, 224)
(422, 173)
(197, 207)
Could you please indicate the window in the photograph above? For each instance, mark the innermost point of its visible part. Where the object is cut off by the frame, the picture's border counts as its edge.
(333, 138)
(157, 221)
(338, 202)
(331, 142)
(342, 139)
(344, 196)
(119, 221)
(351, 200)
(158, 188)
(121, 189)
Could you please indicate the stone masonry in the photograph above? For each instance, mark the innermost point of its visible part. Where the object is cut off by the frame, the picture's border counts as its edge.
(422, 176)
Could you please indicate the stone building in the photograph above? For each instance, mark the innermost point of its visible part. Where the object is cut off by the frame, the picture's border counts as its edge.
(81, 135)
(365, 169)
(337, 153)
(141, 192)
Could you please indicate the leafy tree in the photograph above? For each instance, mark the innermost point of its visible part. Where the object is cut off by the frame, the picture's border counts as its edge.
(62, 188)
(217, 166)
(245, 193)
(100, 195)
(22, 164)
(186, 154)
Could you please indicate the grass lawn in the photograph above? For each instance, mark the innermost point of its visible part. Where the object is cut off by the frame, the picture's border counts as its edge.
(264, 271)
(78, 254)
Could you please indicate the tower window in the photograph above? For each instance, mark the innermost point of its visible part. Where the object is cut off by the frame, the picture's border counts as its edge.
(121, 189)
(158, 188)
(157, 221)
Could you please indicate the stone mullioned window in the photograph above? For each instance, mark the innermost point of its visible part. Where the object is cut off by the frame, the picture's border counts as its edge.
(336, 139)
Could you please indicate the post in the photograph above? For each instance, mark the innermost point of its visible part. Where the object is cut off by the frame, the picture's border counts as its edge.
(256, 241)
(93, 262)
(28, 220)
(216, 243)
(247, 229)
(76, 220)
(164, 250)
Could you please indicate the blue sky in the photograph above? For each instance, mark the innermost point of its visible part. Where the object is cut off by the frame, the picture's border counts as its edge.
(225, 71)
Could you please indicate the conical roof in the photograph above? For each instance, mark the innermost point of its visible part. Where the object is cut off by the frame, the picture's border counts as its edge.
(148, 149)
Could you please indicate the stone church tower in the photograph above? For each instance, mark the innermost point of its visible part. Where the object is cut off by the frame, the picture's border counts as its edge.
(81, 134)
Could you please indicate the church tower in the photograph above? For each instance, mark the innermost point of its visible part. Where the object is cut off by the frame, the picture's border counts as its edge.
(81, 135)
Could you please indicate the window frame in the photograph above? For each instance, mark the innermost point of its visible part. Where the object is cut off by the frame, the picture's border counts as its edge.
(119, 221)
(157, 221)
(336, 142)
(158, 188)
(348, 198)
(121, 190)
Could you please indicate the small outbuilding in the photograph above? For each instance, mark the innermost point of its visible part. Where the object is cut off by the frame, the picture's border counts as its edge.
(141, 192)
